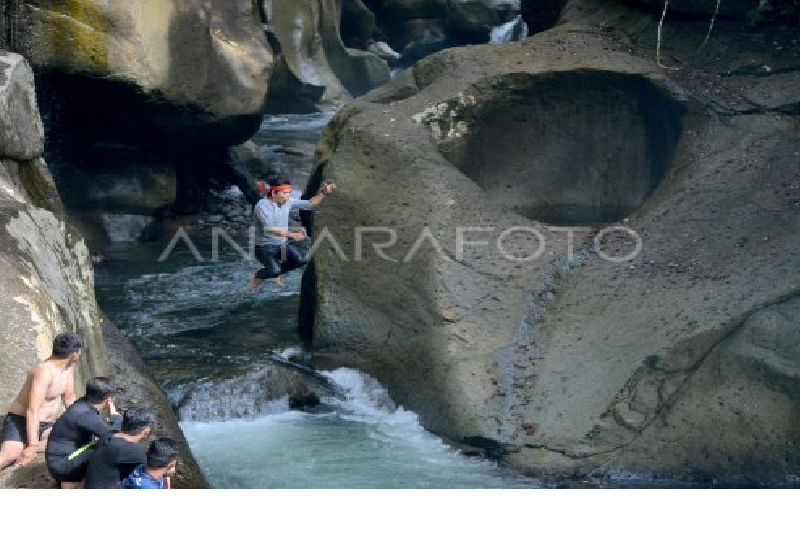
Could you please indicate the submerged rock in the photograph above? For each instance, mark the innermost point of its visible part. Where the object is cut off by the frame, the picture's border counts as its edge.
(252, 391)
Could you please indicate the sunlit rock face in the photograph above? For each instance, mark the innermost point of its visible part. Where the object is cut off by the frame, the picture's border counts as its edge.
(46, 280)
(162, 67)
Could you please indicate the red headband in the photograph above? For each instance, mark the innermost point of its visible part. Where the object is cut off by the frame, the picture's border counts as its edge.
(266, 189)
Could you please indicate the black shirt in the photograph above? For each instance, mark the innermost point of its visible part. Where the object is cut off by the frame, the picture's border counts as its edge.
(76, 427)
(113, 461)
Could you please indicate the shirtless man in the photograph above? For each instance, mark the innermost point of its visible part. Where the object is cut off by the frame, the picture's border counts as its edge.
(32, 414)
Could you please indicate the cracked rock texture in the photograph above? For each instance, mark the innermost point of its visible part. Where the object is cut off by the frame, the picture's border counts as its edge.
(664, 347)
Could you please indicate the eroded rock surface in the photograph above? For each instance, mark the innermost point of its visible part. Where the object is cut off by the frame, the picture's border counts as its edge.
(576, 362)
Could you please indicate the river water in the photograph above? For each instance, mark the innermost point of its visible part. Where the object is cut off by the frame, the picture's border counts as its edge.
(193, 320)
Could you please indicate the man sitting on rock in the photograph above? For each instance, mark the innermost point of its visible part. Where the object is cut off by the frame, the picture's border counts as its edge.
(162, 460)
(117, 456)
(72, 440)
(30, 418)
(271, 216)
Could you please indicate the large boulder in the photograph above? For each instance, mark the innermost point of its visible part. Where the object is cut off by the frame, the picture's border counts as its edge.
(176, 68)
(134, 98)
(660, 323)
(314, 56)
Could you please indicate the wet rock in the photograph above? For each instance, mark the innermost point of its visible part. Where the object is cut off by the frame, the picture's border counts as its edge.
(303, 400)
(252, 391)
(136, 386)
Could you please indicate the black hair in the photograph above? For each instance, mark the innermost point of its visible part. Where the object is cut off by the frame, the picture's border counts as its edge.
(137, 419)
(66, 343)
(273, 180)
(161, 452)
(98, 389)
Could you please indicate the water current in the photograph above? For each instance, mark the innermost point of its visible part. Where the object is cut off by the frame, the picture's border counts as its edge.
(195, 322)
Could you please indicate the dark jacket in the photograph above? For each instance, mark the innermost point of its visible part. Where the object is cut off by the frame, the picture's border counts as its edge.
(112, 462)
(74, 429)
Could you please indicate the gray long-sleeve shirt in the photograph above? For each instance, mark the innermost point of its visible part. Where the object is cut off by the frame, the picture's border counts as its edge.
(269, 215)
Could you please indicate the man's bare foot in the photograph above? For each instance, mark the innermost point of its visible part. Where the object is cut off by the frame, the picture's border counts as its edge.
(279, 281)
(254, 283)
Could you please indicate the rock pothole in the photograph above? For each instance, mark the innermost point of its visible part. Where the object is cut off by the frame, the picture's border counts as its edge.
(569, 148)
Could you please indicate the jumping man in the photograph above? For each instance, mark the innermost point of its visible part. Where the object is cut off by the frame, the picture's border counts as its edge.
(271, 216)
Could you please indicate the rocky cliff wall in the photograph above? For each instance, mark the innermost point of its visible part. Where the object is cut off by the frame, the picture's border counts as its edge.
(46, 277)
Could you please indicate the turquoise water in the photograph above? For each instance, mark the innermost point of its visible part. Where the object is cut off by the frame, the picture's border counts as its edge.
(194, 321)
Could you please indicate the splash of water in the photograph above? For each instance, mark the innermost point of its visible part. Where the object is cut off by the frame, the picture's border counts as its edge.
(513, 30)
(359, 441)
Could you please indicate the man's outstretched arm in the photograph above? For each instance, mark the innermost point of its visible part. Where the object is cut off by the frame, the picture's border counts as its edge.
(327, 188)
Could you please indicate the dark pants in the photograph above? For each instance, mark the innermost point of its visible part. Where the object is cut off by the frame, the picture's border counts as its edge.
(277, 259)
(15, 429)
(65, 469)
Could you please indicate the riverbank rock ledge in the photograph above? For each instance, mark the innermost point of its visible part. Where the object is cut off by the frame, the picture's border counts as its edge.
(678, 357)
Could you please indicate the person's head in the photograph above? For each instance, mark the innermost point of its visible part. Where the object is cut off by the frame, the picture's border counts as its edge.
(138, 422)
(163, 455)
(99, 391)
(277, 189)
(67, 346)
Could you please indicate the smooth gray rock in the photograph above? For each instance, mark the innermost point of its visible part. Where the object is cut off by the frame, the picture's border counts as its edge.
(575, 363)
(177, 66)
(21, 130)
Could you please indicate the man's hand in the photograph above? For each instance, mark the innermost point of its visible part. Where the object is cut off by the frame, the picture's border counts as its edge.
(324, 191)
(298, 235)
(28, 455)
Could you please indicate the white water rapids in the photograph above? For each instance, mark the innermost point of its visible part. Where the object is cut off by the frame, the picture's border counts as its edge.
(363, 441)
